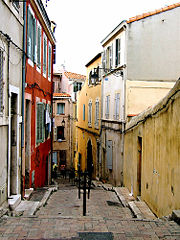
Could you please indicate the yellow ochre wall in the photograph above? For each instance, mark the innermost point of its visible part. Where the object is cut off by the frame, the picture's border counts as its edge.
(84, 132)
(160, 171)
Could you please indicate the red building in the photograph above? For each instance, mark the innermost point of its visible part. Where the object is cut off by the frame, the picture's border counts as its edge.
(40, 45)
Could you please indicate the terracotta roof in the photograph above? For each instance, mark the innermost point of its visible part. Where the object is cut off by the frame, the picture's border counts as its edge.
(75, 76)
(144, 15)
(61, 95)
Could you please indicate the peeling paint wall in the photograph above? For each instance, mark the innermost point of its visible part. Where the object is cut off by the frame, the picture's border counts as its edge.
(159, 129)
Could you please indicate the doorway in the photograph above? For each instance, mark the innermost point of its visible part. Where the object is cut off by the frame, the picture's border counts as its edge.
(27, 141)
(89, 158)
(139, 166)
(14, 145)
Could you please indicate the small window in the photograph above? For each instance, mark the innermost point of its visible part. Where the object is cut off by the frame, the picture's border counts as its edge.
(60, 133)
(60, 108)
(1, 80)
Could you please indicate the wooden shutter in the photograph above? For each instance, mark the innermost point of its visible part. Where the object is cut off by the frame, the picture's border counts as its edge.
(55, 133)
(40, 123)
(109, 154)
(34, 41)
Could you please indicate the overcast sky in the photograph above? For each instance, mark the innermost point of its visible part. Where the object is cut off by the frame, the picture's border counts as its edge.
(83, 24)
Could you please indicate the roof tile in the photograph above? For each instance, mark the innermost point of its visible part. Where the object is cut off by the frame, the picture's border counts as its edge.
(61, 95)
(144, 15)
(75, 76)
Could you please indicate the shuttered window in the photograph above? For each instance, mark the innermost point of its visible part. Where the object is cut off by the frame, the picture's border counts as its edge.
(97, 114)
(40, 124)
(39, 46)
(60, 108)
(107, 106)
(1, 80)
(118, 51)
(44, 54)
(90, 113)
(49, 61)
(83, 112)
(117, 106)
(31, 38)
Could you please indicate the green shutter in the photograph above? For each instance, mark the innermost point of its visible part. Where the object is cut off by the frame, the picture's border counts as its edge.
(34, 41)
(39, 47)
(40, 123)
(28, 33)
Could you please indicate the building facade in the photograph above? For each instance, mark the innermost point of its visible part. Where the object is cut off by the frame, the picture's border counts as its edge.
(66, 87)
(88, 124)
(11, 54)
(39, 48)
(135, 78)
(151, 157)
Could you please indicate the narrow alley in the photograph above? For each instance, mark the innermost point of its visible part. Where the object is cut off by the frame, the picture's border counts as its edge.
(106, 219)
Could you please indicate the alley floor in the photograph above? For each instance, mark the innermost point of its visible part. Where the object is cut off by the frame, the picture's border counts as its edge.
(106, 219)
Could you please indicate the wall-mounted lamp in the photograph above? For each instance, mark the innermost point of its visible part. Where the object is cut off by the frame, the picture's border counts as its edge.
(63, 123)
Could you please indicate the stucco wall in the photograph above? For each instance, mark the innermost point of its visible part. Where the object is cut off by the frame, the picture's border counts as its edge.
(141, 95)
(159, 129)
(153, 50)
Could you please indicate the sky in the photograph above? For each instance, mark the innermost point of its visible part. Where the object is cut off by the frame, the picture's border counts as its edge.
(83, 24)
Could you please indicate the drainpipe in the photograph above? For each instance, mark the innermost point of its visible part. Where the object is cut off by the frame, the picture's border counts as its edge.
(23, 90)
(9, 116)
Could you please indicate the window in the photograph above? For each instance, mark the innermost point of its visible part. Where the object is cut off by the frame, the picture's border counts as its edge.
(97, 114)
(31, 38)
(60, 108)
(83, 112)
(40, 123)
(49, 61)
(1, 80)
(117, 105)
(44, 54)
(118, 51)
(77, 86)
(39, 46)
(48, 121)
(107, 106)
(111, 57)
(90, 113)
(60, 133)
(104, 60)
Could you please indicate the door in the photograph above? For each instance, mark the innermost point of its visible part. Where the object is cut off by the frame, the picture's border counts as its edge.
(139, 165)
(109, 154)
(89, 158)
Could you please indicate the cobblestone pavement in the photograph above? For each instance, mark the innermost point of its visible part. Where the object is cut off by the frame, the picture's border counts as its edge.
(62, 218)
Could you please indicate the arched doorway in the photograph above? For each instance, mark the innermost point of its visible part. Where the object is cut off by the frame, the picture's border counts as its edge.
(89, 158)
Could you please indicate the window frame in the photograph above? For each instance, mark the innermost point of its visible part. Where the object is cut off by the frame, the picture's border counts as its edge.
(31, 35)
(39, 40)
(63, 112)
(49, 60)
